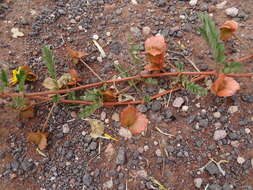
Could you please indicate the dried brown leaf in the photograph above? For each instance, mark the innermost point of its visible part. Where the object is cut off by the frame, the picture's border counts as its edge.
(38, 138)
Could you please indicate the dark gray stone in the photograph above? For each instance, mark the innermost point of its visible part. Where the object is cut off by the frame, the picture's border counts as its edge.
(121, 156)
(212, 169)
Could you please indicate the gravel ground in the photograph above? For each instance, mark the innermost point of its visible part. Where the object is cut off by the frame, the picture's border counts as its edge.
(202, 128)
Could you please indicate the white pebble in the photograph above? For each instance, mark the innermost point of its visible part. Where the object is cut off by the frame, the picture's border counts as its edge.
(65, 128)
(219, 134)
(146, 30)
(217, 115)
(178, 102)
(95, 37)
(108, 34)
(247, 130)
(193, 2)
(158, 153)
(124, 132)
(198, 182)
(232, 109)
(251, 162)
(155, 143)
(240, 160)
(100, 59)
(115, 117)
(221, 5)
(103, 116)
(233, 11)
(146, 148)
(185, 108)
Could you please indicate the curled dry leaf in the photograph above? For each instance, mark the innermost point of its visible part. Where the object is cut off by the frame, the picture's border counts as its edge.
(74, 77)
(109, 95)
(227, 29)
(38, 138)
(27, 112)
(135, 121)
(155, 49)
(75, 55)
(224, 86)
(64, 80)
(49, 83)
(97, 128)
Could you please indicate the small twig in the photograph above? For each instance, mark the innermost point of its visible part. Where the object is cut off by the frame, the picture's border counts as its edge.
(167, 134)
(48, 117)
(86, 65)
(206, 186)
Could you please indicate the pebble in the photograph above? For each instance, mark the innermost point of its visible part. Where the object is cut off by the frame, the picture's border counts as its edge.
(251, 162)
(95, 37)
(193, 2)
(108, 34)
(142, 108)
(65, 128)
(146, 31)
(108, 184)
(217, 115)
(87, 179)
(240, 160)
(212, 169)
(156, 106)
(124, 132)
(198, 182)
(121, 156)
(219, 134)
(214, 187)
(232, 109)
(247, 130)
(227, 186)
(178, 102)
(115, 117)
(103, 115)
(185, 108)
(99, 59)
(232, 11)
(136, 31)
(158, 153)
(235, 144)
(145, 148)
(221, 5)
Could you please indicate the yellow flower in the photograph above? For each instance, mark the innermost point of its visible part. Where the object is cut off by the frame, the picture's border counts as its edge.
(14, 78)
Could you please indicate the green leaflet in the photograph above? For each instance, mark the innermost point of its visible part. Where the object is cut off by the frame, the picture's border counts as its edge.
(48, 58)
(232, 67)
(90, 109)
(212, 35)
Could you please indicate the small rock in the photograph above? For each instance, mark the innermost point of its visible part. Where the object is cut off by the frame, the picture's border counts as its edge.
(16, 33)
(146, 30)
(108, 184)
(227, 186)
(103, 116)
(156, 106)
(251, 162)
(136, 31)
(95, 37)
(212, 169)
(219, 134)
(115, 117)
(142, 108)
(233, 11)
(142, 174)
(65, 128)
(178, 102)
(134, 2)
(99, 59)
(198, 182)
(87, 179)
(232, 109)
(247, 130)
(158, 153)
(217, 115)
(109, 151)
(146, 148)
(185, 108)
(93, 146)
(73, 21)
(118, 12)
(124, 132)
(73, 114)
(240, 160)
(193, 2)
(221, 5)
(214, 187)
(121, 156)
(235, 144)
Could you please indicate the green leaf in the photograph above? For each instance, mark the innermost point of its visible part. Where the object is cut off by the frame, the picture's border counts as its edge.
(195, 88)
(56, 98)
(232, 67)
(3, 79)
(92, 95)
(180, 66)
(90, 109)
(21, 80)
(48, 58)
(147, 99)
(212, 35)
(151, 81)
(19, 103)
